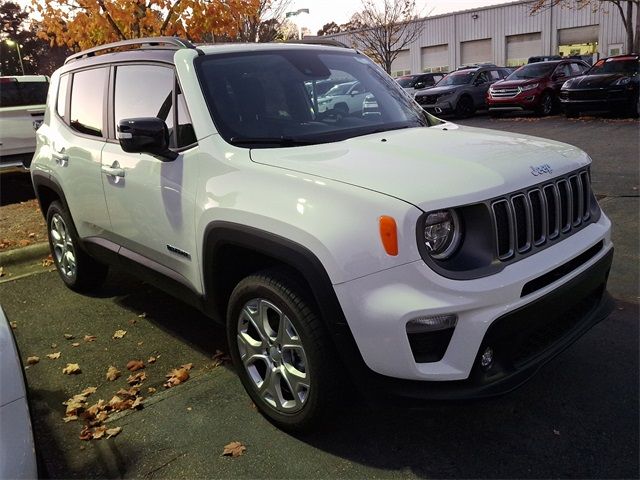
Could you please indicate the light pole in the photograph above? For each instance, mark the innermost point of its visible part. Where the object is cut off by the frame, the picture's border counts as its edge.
(295, 13)
(12, 43)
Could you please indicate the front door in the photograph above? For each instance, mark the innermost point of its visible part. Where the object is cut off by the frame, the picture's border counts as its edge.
(151, 201)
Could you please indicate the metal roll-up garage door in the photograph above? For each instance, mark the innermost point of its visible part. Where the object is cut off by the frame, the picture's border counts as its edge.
(402, 64)
(521, 47)
(572, 36)
(435, 59)
(476, 51)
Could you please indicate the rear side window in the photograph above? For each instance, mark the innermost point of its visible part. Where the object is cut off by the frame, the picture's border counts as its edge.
(87, 100)
(577, 68)
(61, 102)
(21, 94)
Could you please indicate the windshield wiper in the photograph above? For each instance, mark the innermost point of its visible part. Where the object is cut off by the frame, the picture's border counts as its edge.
(281, 141)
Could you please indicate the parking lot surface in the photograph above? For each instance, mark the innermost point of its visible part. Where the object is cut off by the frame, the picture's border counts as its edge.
(577, 418)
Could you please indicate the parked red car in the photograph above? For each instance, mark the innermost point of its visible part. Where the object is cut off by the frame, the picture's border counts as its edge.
(533, 87)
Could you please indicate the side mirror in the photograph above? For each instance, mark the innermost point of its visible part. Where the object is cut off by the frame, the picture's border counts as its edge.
(419, 85)
(145, 135)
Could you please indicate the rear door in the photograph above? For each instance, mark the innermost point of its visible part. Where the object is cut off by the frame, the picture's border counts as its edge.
(151, 202)
(74, 145)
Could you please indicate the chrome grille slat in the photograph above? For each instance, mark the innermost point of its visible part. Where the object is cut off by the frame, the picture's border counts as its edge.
(505, 92)
(532, 218)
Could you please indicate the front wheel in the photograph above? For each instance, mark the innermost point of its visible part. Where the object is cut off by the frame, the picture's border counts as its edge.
(77, 269)
(281, 351)
(465, 107)
(545, 107)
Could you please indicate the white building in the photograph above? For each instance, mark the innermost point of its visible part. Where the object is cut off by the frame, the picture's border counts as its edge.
(508, 34)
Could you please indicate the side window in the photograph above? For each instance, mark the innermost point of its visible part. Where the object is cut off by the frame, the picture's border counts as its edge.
(564, 68)
(144, 91)
(577, 69)
(495, 75)
(61, 102)
(482, 78)
(87, 99)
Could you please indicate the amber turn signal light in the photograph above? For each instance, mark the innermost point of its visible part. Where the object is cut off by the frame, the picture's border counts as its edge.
(389, 235)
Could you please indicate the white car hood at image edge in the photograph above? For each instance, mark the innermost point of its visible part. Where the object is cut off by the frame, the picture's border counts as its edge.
(435, 167)
(17, 452)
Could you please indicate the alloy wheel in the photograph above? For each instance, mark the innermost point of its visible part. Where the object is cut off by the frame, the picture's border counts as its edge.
(273, 356)
(63, 249)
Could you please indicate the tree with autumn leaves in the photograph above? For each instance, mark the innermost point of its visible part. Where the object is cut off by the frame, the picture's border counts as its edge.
(81, 24)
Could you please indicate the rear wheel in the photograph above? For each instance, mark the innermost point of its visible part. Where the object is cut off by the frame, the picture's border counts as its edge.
(464, 107)
(281, 351)
(76, 268)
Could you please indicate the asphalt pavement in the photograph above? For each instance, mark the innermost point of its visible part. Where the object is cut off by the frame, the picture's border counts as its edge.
(578, 418)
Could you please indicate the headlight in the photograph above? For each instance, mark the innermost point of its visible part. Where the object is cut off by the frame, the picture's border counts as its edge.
(566, 84)
(441, 233)
(622, 81)
(531, 86)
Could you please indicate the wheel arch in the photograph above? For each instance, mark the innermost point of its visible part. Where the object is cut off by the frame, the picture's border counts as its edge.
(233, 251)
(47, 191)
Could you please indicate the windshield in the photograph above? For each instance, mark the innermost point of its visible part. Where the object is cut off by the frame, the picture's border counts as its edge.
(269, 98)
(456, 78)
(626, 66)
(533, 70)
(341, 89)
(406, 82)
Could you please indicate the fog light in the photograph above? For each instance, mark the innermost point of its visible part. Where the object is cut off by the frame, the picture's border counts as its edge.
(431, 324)
(487, 358)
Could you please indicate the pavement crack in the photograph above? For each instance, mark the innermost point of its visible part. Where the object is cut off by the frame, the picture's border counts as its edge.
(165, 464)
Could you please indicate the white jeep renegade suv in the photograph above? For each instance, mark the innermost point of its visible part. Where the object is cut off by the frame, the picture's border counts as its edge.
(419, 258)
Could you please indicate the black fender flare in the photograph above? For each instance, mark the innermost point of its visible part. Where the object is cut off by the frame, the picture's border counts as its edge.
(40, 179)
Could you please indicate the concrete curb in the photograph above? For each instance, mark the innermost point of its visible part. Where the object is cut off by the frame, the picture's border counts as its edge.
(24, 254)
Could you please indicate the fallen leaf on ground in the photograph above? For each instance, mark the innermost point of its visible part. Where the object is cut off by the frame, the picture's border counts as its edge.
(14, 325)
(89, 390)
(112, 432)
(71, 368)
(142, 315)
(234, 449)
(1, 271)
(112, 373)
(136, 378)
(140, 344)
(151, 360)
(134, 365)
(177, 376)
(220, 358)
(99, 432)
(86, 433)
(68, 336)
(24, 242)
(151, 390)
(90, 338)
(187, 366)
(54, 345)
(119, 333)
(47, 262)
(33, 360)
(137, 403)
(75, 344)
(133, 321)
(31, 235)
(54, 356)
(69, 418)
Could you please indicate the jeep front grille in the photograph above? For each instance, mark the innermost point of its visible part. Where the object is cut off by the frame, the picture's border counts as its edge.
(532, 218)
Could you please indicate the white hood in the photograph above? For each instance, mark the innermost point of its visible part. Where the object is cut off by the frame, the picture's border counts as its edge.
(434, 167)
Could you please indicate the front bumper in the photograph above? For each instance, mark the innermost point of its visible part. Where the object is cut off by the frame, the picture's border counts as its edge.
(523, 340)
(523, 101)
(604, 99)
(378, 307)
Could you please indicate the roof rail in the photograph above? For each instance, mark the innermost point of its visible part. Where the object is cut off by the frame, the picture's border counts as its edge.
(174, 43)
(319, 41)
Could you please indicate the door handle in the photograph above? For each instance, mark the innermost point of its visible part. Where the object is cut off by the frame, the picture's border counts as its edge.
(114, 170)
(60, 158)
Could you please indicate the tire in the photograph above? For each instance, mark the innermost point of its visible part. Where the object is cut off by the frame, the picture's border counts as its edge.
(340, 111)
(266, 312)
(464, 107)
(77, 269)
(545, 107)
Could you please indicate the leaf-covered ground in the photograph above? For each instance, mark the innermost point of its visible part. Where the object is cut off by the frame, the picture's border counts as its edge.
(21, 224)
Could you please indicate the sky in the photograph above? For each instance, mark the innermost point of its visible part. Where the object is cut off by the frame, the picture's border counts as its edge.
(340, 11)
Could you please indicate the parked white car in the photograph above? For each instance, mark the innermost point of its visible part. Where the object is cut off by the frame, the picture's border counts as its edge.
(345, 98)
(395, 252)
(22, 104)
(17, 450)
